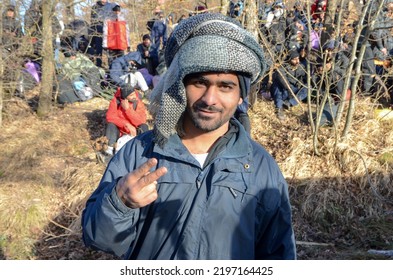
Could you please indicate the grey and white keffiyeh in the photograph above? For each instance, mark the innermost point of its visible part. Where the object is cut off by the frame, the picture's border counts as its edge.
(208, 42)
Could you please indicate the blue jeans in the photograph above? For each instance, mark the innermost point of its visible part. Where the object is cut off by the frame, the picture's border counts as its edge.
(280, 95)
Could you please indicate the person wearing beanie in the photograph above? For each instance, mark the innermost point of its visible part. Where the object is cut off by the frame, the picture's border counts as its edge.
(289, 84)
(126, 115)
(196, 186)
(149, 54)
(12, 29)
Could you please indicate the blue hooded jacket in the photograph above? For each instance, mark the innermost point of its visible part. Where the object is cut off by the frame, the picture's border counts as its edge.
(121, 66)
(234, 207)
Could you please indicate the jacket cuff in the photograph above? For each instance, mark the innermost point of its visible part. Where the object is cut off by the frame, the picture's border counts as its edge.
(118, 203)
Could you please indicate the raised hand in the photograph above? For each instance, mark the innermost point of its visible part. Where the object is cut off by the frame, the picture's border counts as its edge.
(139, 188)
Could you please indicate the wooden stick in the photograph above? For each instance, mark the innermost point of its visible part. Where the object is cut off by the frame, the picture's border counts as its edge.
(313, 243)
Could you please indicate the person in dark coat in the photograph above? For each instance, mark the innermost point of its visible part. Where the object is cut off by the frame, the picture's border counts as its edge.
(12, 29)
(289, 82)
(149, 54)
(159, 33)
(196, 186)
(33, 27)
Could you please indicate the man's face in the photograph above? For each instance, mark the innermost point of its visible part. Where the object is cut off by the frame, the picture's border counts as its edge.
(212, 99)
(295, 61)
(147, 42)
(131, 97)
(10, 13)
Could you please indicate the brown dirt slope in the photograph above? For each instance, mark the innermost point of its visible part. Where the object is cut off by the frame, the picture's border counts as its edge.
(342, 199)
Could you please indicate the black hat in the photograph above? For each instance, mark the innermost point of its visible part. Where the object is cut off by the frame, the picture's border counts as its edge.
(293, 54)
(69, 53)
(146, 36)
(116, 8)
(126, 90)
(11, 8)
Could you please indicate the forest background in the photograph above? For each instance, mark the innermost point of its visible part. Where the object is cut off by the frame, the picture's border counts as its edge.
(340, 177)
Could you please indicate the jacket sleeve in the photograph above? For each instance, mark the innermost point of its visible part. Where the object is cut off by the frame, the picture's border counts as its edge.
(138, 116)
(277, 241)
(116, 71)
(274, 233)
(105, 35)
(107, 224)
(281, 78)
(112, 115)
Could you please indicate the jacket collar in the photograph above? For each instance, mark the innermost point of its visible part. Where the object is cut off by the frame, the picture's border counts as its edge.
(234, 144)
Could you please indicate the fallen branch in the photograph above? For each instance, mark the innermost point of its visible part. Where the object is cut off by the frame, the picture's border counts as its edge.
(388, 253)
(313, 243)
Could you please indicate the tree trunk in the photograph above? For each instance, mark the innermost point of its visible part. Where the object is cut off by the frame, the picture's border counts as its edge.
(48, 70)
(1, 69)
(251, 13)
(328, 21)
(224, 6)
(251, 10)
(370, 28)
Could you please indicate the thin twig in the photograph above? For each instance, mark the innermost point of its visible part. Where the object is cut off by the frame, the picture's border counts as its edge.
(313, 243)
(61, 226)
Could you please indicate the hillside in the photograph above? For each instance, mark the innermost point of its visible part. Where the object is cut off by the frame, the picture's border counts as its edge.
(342, 199)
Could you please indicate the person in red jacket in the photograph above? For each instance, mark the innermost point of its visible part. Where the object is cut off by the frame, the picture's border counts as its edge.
(318, 9)
(126, 115)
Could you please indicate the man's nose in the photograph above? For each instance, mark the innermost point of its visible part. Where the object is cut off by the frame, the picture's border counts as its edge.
(210, 95)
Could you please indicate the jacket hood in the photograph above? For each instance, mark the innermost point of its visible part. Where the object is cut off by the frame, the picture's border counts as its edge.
(135, 56)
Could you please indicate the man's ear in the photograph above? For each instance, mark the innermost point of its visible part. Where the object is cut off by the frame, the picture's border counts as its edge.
(240, 101)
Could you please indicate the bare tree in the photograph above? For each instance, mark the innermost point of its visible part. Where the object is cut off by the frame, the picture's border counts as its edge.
(224, 6)
(48, 70)
(369, 28)
(1, 67)
(251, 11)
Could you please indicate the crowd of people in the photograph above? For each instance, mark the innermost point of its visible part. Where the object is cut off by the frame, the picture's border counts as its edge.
(298, 38)
(98, 57)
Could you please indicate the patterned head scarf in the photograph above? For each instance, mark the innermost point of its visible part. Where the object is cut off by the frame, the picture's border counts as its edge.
(208, 42)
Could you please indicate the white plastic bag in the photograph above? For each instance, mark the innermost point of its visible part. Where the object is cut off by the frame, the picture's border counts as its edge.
(122, 141)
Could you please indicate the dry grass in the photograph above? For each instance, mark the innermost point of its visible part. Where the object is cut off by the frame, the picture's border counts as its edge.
(338, 195)
(342, 199)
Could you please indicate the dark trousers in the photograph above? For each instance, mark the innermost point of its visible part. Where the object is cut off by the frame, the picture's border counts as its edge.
(280, 95)
(369, 69)
(112, 132)
(95, 50)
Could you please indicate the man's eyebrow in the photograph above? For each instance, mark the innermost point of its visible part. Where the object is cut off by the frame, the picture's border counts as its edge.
(227, 83)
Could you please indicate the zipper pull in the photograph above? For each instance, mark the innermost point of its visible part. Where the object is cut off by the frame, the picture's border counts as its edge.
(233, 192)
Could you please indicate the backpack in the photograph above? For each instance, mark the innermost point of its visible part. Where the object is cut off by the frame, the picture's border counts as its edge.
(117, 35)
(235, 9)
(81, 89)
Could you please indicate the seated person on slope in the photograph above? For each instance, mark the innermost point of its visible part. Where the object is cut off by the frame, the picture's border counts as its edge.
(126, 115)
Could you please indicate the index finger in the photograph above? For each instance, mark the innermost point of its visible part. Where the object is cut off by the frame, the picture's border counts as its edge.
(150, 178)
(144, 169)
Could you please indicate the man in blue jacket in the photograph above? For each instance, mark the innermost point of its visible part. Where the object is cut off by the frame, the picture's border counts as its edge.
(196, 186)
(124, 71)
